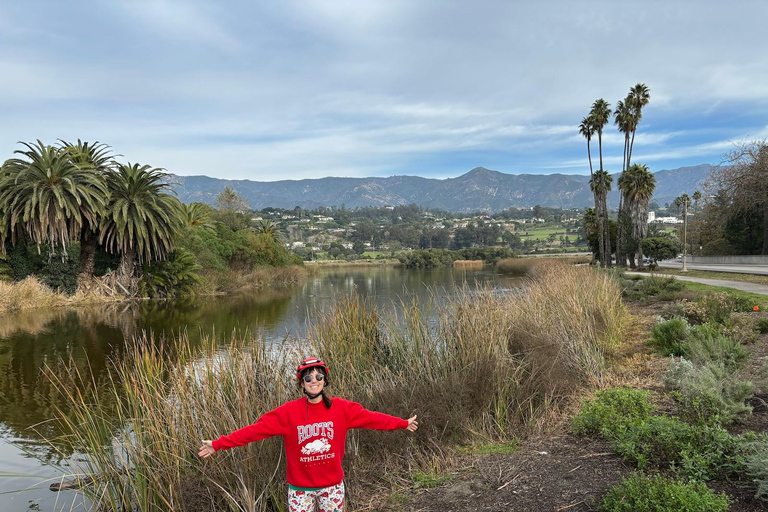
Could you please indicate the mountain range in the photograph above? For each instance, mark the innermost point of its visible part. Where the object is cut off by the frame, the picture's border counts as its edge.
(480, 189)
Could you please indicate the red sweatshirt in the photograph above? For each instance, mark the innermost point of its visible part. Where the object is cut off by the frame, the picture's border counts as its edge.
(314, 437)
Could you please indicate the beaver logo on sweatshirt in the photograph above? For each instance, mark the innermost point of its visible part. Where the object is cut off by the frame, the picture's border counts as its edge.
(317, 446)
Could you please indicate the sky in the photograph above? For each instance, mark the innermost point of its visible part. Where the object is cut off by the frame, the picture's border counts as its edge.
(295, 89)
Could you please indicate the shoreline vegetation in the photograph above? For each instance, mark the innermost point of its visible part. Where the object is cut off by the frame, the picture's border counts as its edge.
(30, 293)
(517, 366)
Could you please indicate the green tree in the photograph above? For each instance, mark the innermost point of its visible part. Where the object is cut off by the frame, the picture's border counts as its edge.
(638, 98)
(745, 183)
(141, 220)
(49, 198)
(98, 159)
(270, 229)
(660, 248)
(600, 183)
(637, 185)
(232, 209)
(197, 215)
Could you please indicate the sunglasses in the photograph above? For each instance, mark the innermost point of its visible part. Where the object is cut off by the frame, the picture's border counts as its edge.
(318, 377)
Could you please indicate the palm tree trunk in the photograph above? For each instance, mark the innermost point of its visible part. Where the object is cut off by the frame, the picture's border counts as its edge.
(589, 154)
(600, 146)
(620, 262)
(607, 228)
(600, 230)
(87, 252)
(631, 145)
(126, 272)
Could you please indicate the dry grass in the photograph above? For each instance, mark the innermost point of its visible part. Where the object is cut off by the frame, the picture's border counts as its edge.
(468, 264)
(259, 278)
(516, 266)
(26, 294)
(481, 365)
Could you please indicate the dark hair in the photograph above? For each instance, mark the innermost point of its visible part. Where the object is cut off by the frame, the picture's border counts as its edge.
(326, 399)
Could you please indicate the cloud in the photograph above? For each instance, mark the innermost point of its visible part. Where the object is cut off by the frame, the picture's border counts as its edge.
(314, 88)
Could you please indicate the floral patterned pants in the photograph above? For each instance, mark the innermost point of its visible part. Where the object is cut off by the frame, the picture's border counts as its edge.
(327, 499)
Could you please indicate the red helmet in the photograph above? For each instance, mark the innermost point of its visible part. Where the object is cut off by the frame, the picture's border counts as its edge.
(311, 362)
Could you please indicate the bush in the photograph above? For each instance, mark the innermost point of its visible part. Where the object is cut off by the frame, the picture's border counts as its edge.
(431, 258)
(700, 452)
(176, 276)
(641, 493)
(716, 307)
(707, 343)
(761, 325)
(706, 394)
(662, 288)
(669, 336)
(757, 467)
(611, 410)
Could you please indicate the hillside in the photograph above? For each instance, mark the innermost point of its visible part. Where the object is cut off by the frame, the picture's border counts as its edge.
(478, 190)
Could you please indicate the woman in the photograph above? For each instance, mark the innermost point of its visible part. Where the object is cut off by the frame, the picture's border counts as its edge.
(314, 431)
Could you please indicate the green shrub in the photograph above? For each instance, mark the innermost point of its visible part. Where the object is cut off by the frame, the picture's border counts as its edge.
(669, 336)
(662, 288)
(707, 343)
(706, 394)
(176, 276)
(700, 452)
(641, 493)
(431, 258)
(762, 325)
(757, 467)
(611, 410)
(718, 307)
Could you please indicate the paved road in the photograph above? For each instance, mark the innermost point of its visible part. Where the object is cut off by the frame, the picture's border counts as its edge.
(761, 289)
(738, 269)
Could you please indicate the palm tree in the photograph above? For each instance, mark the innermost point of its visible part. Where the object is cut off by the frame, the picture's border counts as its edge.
(197, 215)
(638, 97)
(141, 218)
(269, 228)
(600, 184)
(600, 115)
(587, 129)
(696, 198)
(98, 159)
(623, 119)
(48, 197)
(637, 185)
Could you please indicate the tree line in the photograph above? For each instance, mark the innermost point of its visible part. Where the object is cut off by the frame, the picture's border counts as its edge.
(56, 198)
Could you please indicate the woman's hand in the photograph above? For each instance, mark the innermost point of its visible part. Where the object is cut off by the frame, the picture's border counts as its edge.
(207, 449)
(413, 425)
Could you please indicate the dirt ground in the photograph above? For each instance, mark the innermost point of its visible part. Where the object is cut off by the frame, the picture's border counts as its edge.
(561, 472)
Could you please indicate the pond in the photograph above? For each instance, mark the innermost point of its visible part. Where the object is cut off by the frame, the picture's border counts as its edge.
(89, 337)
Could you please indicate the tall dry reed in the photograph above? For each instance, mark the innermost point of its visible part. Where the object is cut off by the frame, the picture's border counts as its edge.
(477, 363)
(468, 264)
(26, 294)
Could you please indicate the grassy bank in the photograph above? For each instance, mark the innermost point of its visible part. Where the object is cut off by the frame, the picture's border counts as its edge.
(479, 367)
(30, 293)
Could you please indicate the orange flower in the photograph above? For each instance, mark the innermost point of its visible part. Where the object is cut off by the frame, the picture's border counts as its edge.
(756, 308)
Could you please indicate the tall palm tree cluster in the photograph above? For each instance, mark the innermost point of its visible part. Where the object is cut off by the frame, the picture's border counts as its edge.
(636, 182)
(55, 195)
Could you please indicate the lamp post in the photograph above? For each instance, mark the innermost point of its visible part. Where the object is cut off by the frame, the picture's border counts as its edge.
(685, 230)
